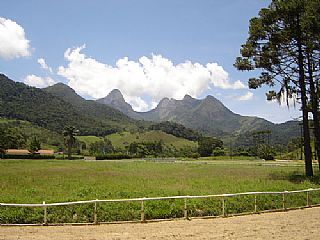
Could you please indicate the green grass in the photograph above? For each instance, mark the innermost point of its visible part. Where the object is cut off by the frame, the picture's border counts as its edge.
(119, 140)
(88, 139)
(27, 181)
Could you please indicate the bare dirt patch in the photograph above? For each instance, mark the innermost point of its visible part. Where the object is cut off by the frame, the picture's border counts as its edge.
(297, 224)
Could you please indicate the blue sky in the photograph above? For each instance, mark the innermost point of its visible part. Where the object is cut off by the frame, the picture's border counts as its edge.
(148, 49)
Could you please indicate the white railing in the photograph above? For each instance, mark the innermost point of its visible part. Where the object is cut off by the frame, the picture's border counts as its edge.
(142, 201)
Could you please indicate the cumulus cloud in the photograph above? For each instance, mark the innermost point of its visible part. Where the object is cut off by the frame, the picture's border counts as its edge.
(13, 42)
(40, 82)
(154, 77)
(44, 65)
(246, 97)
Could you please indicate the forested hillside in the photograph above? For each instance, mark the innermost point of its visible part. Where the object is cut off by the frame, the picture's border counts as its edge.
(19, 101)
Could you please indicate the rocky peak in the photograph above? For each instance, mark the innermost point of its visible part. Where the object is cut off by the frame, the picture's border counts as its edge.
(115, 95)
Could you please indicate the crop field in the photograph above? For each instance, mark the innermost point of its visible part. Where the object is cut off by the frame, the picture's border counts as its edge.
(35, 181)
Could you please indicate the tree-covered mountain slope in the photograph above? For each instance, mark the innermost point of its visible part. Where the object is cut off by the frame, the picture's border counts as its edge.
(45, 109)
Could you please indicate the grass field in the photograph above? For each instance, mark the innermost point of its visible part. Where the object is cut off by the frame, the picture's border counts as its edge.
(28, 181)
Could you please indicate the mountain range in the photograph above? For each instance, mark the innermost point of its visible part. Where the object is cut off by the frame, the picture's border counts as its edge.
(59, 105)
(208, 116)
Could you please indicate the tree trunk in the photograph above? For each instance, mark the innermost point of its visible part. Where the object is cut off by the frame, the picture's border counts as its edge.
(315, 107)
(69, 150)
(306, 130)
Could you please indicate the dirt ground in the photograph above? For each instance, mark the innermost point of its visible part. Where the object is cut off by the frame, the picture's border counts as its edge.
(297, 224)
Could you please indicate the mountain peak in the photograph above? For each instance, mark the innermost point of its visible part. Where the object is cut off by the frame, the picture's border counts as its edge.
(115, 95)
(187, 97)
(62, 90)
(116, 100)
(210, 98)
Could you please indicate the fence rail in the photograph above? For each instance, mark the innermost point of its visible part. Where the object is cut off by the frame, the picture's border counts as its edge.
(143, 201)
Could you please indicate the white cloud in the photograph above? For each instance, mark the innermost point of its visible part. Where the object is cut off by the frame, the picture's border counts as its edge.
(39, 82)
(13, 43)
(44, 65)
(246, 97)
(155, 77)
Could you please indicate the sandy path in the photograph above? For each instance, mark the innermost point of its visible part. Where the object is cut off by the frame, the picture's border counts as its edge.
(297, 224)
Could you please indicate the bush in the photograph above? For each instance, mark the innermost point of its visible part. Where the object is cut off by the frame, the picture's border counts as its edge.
(193, 155)
(218, 152)
(266, 152)
(113, 156)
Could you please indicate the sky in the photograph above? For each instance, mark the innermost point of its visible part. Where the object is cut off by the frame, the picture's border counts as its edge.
(146, 48)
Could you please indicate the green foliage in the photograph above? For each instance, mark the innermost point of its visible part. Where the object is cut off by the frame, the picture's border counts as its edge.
(143, 149)
(207, 145)
(101, 147)
(69, 134)
(34, 145)
(283, 43)
(49, 139)
(218, 151)
(177, 130)
(11, 138)
(265, 151)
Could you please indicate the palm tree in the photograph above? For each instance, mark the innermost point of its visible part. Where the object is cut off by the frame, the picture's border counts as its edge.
(69, 134)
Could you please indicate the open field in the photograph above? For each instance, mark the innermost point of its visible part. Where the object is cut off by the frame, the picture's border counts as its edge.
(298, 224)
(27, 181)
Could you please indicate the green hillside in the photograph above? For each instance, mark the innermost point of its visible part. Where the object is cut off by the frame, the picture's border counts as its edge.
(26, 130)
(88, 139)
(120, 140)
(19, 101)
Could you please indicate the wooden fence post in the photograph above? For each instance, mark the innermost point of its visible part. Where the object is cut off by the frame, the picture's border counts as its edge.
(142, 212)
(223, 207)
(45, 214)
(308, 199)
(284, 201)
(95, 213)
(255, 203)
(185, 209)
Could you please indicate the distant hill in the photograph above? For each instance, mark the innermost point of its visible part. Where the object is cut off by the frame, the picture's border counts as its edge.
(48, 110)
(208, 116)
(89, 108)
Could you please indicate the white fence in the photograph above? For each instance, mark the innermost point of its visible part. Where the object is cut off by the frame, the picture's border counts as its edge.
(143, 201)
